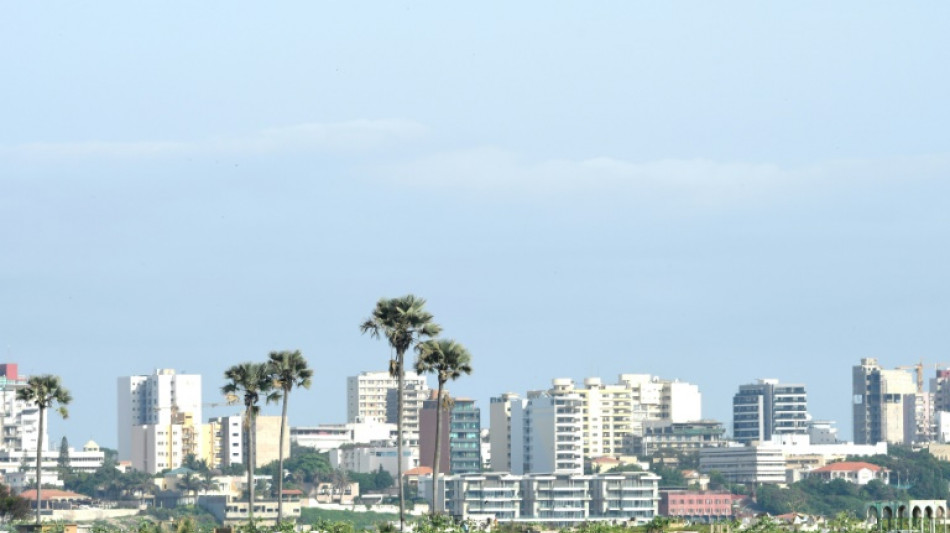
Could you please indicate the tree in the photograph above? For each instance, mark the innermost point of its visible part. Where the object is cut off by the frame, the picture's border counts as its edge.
(404, 322)
(252, 380)
(446, 359)
(45, 391)
(62, 462)
(289, 370)
(12, 507)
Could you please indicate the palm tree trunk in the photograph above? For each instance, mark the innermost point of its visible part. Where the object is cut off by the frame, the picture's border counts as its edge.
(438, 449)
(401, 386)
(39, 464)
(280, 461)
(250, 464)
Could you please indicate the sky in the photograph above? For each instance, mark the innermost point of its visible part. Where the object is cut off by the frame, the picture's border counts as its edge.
(710, 192)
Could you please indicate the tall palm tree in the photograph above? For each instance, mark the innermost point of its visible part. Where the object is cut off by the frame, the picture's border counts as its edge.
(252, 380)
(404, 322)
(446, 359)
(289, 370)
(45, 391)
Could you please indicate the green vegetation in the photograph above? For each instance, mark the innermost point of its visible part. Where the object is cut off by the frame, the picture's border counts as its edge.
(921, 476)
(358, 520)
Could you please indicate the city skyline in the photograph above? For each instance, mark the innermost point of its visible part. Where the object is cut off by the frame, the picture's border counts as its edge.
(714, 193)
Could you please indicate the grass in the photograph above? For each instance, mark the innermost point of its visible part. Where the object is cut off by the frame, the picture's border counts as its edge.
(360, 520)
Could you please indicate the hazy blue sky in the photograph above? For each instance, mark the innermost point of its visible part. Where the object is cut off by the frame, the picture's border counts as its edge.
(709, 191)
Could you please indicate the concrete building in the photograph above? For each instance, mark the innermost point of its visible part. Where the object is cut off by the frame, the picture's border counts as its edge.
(822, 432)
(366, 459)
(859, 473)
(161, 399)
(919, 420)
(554, 500)
(325, 437)
(878, 402)
(697, 506)
(767, 408)
(461, 436)
(19, 421)
(371, 396)
(224, 441)
(18, 467)
(678, 436)
(226, 436)
(546, 434)
(760, 463)
(501, 431)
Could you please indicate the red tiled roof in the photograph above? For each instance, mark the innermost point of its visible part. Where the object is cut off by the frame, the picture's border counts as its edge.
(848, 466)
(53, 494)
(292, 491)
(418, 471)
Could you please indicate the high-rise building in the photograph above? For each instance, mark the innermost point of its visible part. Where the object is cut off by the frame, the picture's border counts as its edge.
(878, 402)
(547, 434)
(613, 414)
(499, 420)
(160, 400)
(768, 408)
(19, 420)
(461, 436)
(373, 396)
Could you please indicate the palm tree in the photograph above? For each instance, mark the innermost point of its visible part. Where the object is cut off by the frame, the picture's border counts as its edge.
(44, 391)
(289, 370)
(253, 380)
(404, 322)
(446, 359)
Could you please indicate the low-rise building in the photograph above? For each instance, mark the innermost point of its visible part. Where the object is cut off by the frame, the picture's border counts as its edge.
(233, 511)
(679, 436)
(555, 500)
(365, 459)
(859, 473)
(754, 463)
(327, 437)
(701, 506)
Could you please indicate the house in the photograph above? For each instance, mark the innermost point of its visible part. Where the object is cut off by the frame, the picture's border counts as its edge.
(859, 473)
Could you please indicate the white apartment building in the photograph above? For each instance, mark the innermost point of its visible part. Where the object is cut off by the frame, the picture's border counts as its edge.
(761, 463)
(613, 414)
(160, 399)
(224, 435)
(547, 434)
(368, 458)
(556, 500)
(19, 421)
(19, 466)
(327, 437)
(371, 396)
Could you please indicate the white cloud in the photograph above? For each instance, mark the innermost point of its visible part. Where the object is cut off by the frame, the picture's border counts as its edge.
(696, 181)
(339, 136)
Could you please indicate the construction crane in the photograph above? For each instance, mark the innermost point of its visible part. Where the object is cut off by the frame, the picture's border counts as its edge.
(919, 370)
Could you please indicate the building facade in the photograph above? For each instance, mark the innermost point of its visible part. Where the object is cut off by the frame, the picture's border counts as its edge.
(678, 436)
(697, 505)
(555, 500)
(160, 399)
(878, 402)
(767, 408)
(372, 396)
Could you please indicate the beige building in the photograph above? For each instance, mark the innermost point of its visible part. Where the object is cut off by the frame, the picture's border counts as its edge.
(267, 440)
(878, 402)
(613, 414)
(372, 396)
